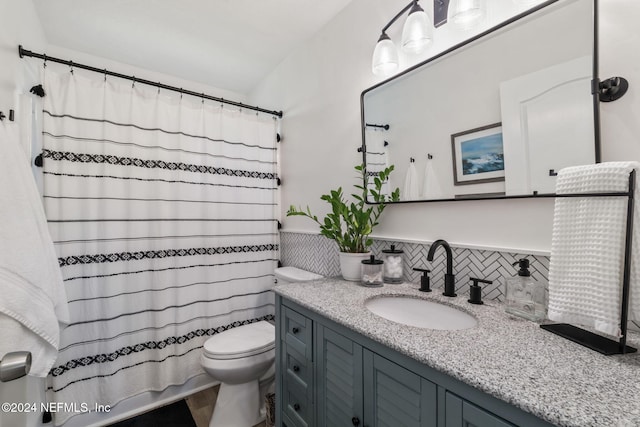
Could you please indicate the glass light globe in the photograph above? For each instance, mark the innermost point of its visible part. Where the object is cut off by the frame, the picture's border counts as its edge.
(385, 57)
(417, 31)
(467, 13)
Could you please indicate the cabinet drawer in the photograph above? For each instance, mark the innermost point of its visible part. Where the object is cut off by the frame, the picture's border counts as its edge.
(297, 405)
(296, 332)
(296, 368)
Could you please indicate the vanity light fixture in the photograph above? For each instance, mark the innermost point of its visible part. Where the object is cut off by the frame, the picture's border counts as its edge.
(417, 34)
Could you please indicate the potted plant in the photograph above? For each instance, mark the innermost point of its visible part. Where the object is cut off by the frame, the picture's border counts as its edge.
(351, 223)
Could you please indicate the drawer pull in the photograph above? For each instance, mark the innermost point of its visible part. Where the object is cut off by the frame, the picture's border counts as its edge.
(296, 368)
(296, 407)
(355, 421)
(295, 330)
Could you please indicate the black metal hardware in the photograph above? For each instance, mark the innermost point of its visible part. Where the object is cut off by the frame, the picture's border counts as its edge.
(370, 125)
(37, 90)
(279, 181)
(552, 172)
(429, 156)
(359, 149)
(355, 421)
(278, 137)
(23, 52)
(440, 9)
(475, 291)
(412, 160)
(295, 330)
(386, 144)
(296, 407)
(296, 368)
(425, 285)
(39, 160)
(12, 115)
(449, 277)
(279, 225)
(46, 417)
(588, 339)
(612, 88)
(2, 116)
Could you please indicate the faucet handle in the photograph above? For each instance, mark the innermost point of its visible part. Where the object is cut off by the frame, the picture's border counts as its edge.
(425, 285)
(475, 291)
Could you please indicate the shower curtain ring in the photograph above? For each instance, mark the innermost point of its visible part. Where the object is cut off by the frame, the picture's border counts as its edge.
(202, 97)
(45, 61)
(105, 74)
(71, 66)
(158, 88)
(134, 82)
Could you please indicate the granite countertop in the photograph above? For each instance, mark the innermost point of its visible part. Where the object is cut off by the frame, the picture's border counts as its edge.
(505, 356)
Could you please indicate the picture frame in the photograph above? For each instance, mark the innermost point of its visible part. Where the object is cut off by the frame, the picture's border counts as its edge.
(478, 155)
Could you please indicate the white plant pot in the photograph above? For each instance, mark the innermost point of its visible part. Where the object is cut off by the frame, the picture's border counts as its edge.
(351, 264)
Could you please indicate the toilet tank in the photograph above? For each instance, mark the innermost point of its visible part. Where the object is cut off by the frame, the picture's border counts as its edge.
(293, 274)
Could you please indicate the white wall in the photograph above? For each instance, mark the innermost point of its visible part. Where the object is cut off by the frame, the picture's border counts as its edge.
(19, 24)
(319, 87)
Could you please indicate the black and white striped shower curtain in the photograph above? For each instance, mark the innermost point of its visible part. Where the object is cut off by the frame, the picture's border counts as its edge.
(163, 212)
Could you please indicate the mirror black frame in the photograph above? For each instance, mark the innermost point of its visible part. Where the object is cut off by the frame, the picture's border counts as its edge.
(595, 91)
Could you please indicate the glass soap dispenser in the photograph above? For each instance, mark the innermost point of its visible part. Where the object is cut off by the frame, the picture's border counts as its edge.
(372, 272)
(526, 297)
(392, 265)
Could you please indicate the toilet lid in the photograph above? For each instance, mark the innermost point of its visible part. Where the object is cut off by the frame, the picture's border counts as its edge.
(241, 341)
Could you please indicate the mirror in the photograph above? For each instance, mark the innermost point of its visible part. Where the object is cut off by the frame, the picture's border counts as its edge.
(494, 117)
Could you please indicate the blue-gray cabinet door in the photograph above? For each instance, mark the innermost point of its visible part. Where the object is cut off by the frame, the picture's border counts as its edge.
(460, 413)
(394, 396)
(338, 379)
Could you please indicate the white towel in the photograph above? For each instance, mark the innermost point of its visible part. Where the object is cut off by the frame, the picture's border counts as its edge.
(587, 249)
(411, 189)
(431, 188)
(33, 301)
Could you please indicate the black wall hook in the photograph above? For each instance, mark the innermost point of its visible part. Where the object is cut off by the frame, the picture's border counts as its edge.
(2, 116)
(613, 88)
(38, 90)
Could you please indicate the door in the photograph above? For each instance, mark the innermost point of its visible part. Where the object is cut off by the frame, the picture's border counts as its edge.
(339, 379)
(547, 124)
(394, 396)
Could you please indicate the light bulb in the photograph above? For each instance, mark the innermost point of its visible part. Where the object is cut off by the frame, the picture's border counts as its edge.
(385, 57)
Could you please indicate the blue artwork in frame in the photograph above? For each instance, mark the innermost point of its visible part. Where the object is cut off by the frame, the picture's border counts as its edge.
(478, 155)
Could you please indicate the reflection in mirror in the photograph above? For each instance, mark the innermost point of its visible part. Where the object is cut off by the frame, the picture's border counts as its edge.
(496, 117)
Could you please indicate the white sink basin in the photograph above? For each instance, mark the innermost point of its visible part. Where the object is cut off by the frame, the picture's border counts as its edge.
(420, 313)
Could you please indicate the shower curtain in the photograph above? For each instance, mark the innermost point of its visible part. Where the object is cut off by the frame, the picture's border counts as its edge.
(377, 156)
(163, 214)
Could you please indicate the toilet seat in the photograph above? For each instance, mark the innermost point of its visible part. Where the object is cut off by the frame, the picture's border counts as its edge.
(242, 341)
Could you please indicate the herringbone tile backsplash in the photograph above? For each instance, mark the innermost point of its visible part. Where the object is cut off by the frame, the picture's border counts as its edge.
(313, 252)
(316, 253)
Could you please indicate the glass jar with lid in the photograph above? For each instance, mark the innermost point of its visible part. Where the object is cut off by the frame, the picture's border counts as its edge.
(393, 270)
(372, 272)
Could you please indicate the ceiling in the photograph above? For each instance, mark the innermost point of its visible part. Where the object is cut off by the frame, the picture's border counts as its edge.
(228, 44)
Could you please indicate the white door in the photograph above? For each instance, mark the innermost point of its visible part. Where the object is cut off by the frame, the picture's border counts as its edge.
(547, 124)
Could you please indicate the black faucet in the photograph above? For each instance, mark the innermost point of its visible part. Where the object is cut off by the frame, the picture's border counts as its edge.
(449, 278)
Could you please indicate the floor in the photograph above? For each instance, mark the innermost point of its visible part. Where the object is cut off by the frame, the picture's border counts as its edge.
(201, 406)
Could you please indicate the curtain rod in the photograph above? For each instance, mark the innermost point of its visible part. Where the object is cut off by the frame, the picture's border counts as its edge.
(23, 52)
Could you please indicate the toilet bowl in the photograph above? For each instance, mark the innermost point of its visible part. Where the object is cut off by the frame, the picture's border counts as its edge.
(243, 360)
(239, 358)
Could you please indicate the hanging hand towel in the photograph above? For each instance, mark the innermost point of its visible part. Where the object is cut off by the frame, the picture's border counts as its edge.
(431, 188)
(33, 301)
(587, 249)
(411, 191)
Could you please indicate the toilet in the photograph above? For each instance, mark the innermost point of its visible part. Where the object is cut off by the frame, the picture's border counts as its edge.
(243, 360)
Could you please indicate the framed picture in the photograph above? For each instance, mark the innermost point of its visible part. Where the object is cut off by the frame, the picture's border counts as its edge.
(478, 155)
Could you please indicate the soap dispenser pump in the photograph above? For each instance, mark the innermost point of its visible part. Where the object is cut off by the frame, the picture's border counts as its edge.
(526, 297)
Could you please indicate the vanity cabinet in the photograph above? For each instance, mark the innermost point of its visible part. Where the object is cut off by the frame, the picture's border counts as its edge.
(328, 375)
